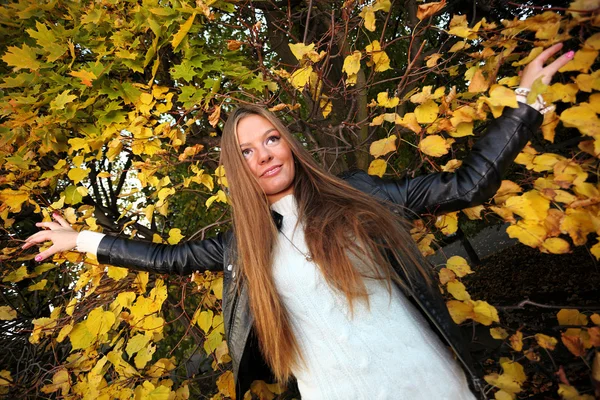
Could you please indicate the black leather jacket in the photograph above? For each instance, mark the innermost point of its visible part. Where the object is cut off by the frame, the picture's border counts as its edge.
(474, 182)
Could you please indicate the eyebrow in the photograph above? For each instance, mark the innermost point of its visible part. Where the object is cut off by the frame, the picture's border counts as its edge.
(264, 134)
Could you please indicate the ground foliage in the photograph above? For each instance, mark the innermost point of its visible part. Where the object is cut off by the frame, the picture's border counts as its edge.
(111, 112)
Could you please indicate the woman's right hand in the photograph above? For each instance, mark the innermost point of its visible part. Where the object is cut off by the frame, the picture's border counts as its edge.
(60, 233)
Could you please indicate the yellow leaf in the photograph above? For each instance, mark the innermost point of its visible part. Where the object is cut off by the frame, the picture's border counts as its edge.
(595, 250)
(21, 58)
(498, 333)
(38, 286)
(458, 46)
(369, 16)
(516, 341)
(547, 342)
(213, 340)
(432, 60)
(183, 31)
(7, 313)
(567, 392)
(446, 276)
(382, 5)
(126, 299)
(583, 60)
(549, 125)
(427, 112)
(300, 49)
(17, 275)
(175, 236)
(80, 336)
(484, 313)
(144, 355)
(460, 311)
(531, 206)
(213, 118)
(529, 233)
(429, 9)
(435, 146)
(578, 224)
(301, 76)
(379, 58)
(452, 166)
(566, 93)
(86, 76)
(463, 129)
(64, 332)
(205, 320)
(226, 384)
(384, 101)
(501, 96)
(463, 114)
(502, 395)
(447, 223)
(533, 54)
(220, 197)
(582, 117)
(384, 146)
(458, 291)
(162, 367)
(117, 273)
(571, 317)
(459, 265)
(478, 83)
(473, 213)
(352, 63)
(409, 121)
(556, 246)
(59, 102)
(326, 106)
(60, 381)
(99, 321)
(13, 199)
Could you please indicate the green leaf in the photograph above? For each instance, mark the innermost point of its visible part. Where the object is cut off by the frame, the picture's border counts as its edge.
(183, 31)
(59, 102)
(22, 58)
(184, 71)
(72, 195)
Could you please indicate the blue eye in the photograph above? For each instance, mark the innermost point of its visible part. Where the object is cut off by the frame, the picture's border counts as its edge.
(246, 153)
(273, 139)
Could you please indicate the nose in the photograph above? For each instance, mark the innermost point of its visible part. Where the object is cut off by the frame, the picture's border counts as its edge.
(264, 156)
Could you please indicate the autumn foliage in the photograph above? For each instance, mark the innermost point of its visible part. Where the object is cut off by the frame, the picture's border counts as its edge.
(111, 112)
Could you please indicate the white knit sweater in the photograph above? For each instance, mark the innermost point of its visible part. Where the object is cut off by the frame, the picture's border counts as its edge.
(383, 351)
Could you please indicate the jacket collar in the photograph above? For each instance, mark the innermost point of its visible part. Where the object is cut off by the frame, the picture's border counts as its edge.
(277, 219)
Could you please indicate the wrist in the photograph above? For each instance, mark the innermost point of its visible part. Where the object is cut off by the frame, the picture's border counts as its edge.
(539, 104)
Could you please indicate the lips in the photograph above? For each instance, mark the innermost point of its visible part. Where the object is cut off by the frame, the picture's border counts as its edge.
(271, 171)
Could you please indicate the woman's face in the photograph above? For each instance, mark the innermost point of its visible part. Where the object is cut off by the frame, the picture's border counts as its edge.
(268, 155)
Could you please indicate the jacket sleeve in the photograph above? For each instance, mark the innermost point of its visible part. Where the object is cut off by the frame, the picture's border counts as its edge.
(181, 259)
(480, 175)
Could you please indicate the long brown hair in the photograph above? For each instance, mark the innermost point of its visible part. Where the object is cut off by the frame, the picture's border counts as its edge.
(342, 226)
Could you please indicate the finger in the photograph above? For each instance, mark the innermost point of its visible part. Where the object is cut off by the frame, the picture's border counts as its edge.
(46, 253)
(39, 237)
(557, 64)
(63, 222)
(49, 225)
(549, 52)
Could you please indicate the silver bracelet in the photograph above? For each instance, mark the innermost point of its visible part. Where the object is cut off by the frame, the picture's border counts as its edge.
(539, 104)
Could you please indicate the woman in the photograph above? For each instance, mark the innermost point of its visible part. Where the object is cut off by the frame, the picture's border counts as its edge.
(321, 281)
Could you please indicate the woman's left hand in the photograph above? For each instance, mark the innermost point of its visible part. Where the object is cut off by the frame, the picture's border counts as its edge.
(536, 69)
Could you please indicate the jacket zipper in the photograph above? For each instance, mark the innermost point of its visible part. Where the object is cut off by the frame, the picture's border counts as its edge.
(474, 379)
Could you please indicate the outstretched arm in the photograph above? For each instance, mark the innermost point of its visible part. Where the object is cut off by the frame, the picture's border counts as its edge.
(480, 175)
(181, 259)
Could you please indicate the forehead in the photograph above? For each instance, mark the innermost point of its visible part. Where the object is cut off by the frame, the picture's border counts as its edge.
(252, 127)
